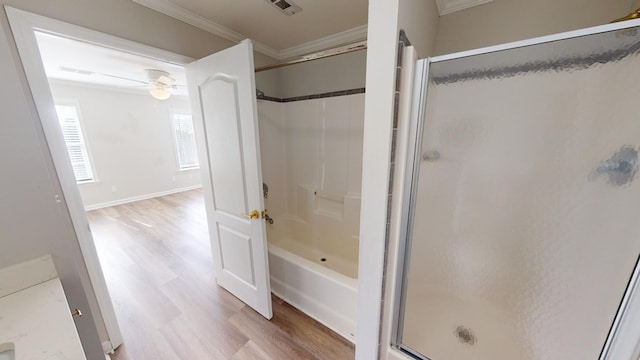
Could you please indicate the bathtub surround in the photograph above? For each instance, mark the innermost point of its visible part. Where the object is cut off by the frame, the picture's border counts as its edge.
(311, 161)
(311, 153)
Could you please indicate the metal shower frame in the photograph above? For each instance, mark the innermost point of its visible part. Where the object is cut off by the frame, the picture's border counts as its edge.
(623, 340)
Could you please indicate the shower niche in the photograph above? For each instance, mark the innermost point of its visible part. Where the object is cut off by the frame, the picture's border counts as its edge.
(521, 233)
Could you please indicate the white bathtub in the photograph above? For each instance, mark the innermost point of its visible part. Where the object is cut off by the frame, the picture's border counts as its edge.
(320, 292)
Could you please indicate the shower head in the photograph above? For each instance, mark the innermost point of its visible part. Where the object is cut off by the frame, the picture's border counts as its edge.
(259, 94)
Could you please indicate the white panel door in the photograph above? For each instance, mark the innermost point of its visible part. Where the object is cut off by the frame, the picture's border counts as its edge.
(223, 98)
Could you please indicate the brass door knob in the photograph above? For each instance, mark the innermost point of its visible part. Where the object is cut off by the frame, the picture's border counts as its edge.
(252, 215)
(76, 312)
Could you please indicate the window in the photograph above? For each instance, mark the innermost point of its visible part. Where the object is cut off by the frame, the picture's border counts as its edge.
(185, 141)
(74, 139)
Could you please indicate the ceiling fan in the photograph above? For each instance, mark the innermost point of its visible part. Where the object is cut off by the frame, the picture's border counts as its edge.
(160, 83)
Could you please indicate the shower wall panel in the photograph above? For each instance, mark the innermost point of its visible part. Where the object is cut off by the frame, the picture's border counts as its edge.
(526, 219)
(271, 123)
(312, 158)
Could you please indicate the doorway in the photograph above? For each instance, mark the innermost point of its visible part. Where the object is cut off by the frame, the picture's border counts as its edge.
(242, 343)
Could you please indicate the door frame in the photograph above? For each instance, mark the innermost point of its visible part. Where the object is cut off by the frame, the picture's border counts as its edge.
(623, 340)
(23, 25)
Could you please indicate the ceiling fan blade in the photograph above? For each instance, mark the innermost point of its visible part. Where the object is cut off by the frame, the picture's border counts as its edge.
(125, 78)
(164, 80)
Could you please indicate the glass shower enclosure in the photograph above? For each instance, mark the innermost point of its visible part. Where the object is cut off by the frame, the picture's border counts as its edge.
(522, 214)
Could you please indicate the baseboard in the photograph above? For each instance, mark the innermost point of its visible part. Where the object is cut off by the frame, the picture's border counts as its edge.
(139, 197)
(107, 348)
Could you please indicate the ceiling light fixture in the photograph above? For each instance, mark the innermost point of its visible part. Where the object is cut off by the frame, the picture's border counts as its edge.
(160, 93)
(161, 82)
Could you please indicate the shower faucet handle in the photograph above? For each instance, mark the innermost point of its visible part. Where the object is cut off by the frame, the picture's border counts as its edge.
(266, 216)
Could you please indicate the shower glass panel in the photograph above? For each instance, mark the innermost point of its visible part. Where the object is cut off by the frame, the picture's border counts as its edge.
(524, 216)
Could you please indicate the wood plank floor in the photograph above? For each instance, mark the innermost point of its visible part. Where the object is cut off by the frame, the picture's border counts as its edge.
(156, 259)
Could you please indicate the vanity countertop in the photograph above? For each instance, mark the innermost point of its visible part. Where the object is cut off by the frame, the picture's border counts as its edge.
(38, 322)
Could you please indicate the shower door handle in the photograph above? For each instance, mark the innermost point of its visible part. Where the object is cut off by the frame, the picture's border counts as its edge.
(252, 215)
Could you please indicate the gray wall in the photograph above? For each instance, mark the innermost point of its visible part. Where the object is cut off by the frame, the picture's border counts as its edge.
(341, 72)
(419, 20)
(269, 82)
(504, 21)
(32, 223)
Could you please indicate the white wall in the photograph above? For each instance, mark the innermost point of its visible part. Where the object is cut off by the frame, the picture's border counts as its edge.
(131, 143)
(504, 21)
(32, 222)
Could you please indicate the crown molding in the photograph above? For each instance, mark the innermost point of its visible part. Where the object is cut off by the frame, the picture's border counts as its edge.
(342, 38)
(448, 6)
(177, 12)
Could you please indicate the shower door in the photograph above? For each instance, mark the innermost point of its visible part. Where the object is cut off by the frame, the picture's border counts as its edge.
(523, 223)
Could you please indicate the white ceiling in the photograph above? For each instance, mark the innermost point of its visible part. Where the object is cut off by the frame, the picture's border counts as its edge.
(262, 21)
(101, 66)
(321, 23)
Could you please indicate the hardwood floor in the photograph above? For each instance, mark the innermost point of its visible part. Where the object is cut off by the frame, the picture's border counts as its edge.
(156, 259)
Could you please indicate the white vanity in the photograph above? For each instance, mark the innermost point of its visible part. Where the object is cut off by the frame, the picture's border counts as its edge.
(35, 319)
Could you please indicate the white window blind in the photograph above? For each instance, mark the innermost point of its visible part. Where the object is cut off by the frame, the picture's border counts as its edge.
(76, 147)
(185, 141)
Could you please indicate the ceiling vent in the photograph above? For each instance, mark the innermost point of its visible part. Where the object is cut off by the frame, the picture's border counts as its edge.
(286, 6)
